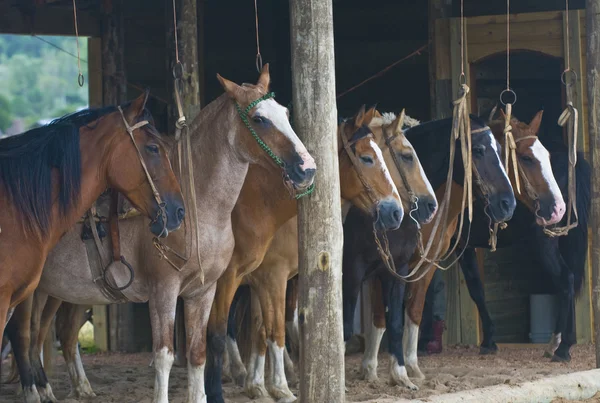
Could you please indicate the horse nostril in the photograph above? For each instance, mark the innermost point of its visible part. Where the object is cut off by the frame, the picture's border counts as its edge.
(431, 206)
(397, 216)
(180, 213)
(505, 205)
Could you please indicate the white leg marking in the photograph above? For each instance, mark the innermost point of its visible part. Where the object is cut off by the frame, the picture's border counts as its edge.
(31, 395)
(46, 394)
(398, 374)
(290, 370)
(255, 382)
(409, 342)
(236, 366)
(369, 362)
(553, 344)
(196, 393)
(80, 386)
(278, 386)
(163, 361)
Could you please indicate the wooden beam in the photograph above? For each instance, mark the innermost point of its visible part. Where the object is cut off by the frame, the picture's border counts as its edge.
(46, 21)
(319, 215)
(593, 88)
(439, 86)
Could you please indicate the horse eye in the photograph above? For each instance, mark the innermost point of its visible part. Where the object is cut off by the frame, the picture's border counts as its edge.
(366, 159)
(407, 157)
(152, 148)
(258, 119)
(527, 159)
(479, 151)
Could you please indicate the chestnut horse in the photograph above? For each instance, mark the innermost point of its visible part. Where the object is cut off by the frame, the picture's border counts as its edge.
(539, 190)
(51, 176)
(227, 136)
(257, 218)
(268, 282)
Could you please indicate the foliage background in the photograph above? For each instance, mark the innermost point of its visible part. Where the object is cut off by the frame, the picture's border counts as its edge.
(37, 81)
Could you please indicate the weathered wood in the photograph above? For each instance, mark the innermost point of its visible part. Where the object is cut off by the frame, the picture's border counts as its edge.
(593, 87)
(95, 89)
(437, 9)
(319, 215)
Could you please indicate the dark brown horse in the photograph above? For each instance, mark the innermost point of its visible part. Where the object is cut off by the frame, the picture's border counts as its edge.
(52, 175)
(539, 191)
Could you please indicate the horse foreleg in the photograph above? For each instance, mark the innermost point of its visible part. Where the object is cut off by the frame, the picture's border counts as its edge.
(216, 336)
(375, 333)
(291, 317)
(197, 312)
(237, 369)
(413, 313)
(163, 304)
(255, 382)
(68, 322)
(470, 269)
(18, 330)
(39, 332)
(272, 295)
(393, 292)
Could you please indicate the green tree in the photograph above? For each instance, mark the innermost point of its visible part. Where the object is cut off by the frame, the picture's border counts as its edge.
(5, 113)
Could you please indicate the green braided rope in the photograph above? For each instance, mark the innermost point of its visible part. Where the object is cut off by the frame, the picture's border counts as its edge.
(244, 116)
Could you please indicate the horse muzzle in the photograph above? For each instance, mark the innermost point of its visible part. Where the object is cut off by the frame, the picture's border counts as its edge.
(390, 214)
(169, 217)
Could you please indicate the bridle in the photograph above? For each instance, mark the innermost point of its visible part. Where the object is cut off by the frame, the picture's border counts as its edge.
(161, 213)
(244, 113)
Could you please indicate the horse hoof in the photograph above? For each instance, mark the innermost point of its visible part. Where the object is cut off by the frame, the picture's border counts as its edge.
(483, 350)
(368, 374)
(281, 393)
(215, 399)
(256, 391)
(548, 354)
(557, 358)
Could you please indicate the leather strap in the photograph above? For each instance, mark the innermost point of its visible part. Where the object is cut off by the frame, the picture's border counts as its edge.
(114, 226)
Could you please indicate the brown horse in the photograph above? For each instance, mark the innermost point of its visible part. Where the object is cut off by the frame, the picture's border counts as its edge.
(257, 218)
(51, 175)
(224, 139)
(268, 282)
(539, 191)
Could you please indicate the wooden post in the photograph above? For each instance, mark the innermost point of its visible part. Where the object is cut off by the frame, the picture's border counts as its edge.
(319, 215)
(114, 92)
(592, 13)
(440, 82)
(187, 41)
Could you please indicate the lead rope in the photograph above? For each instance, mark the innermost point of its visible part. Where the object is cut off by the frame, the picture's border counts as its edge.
(184, 151)
(570, 118)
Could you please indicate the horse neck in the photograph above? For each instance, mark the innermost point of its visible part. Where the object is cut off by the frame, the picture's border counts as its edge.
(94, 181)
(220, 168)
(264, 203)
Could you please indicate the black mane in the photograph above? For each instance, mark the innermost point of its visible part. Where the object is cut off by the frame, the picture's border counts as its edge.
(27, 161)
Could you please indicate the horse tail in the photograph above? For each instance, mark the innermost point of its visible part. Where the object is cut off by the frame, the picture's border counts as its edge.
(574, 246)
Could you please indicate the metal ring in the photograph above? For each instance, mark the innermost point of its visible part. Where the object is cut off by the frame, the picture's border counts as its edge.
(80, 79)
(508, 91)
(131, 276)
(178, 70)
(259, 63)
(563, 78)
(462, 79)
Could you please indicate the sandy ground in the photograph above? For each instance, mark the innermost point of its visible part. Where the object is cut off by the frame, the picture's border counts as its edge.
(127, 378)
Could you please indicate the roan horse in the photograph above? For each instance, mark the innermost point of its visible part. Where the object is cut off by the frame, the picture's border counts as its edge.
(268, 282)
(227, 136)
(51, 175)
(534, 171)
(257, 218)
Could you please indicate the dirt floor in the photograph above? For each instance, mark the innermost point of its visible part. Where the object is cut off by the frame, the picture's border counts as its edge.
(127, 378)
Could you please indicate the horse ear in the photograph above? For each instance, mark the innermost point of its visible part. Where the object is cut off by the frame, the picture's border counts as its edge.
(493, 112)
(360, 117)
(136, 107)
(231, 88)
(536, 122)
(502, 114)
(264, 80)
(397, 124)
(369, 115)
